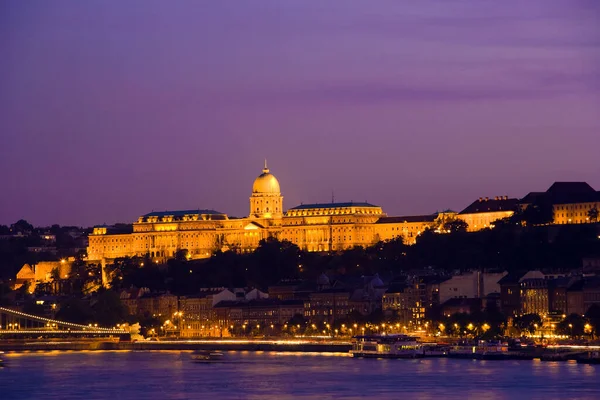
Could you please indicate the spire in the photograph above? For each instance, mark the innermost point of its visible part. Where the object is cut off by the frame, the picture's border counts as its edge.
(265, 169)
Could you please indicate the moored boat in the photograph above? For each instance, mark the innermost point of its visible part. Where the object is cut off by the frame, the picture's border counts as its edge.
(435, 350)
(481, 350)
(386, 346)
(207, 356)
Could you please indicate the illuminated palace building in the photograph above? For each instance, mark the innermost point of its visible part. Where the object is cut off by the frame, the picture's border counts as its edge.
(313, 227)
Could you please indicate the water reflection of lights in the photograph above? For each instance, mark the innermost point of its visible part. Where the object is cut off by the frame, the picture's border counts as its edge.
(309, 353)
(572, 346)
(53, 353)
(247, 341)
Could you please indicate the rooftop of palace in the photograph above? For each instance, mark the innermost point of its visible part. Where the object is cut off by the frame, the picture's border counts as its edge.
(333, 205)
(564, 193)
(497, 204)
(408, 219)
(334, 209)
(182, 215)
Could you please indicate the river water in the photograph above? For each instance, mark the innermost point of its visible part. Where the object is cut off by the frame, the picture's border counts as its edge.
(262, 375)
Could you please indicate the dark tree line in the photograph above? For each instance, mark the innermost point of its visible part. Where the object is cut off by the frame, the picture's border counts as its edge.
(509, 246)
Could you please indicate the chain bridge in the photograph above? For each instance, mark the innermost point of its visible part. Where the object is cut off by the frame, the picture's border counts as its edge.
(15, 324)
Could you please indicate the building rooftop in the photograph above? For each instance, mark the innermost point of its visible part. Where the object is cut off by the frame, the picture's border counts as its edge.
(117, 228)
(571, 188)
(181, 213)
(576, 286)
(531, 197)
(397, 288)
(288, 283)
(407, 219)
(592, 282)
(564, 193)
(333, 205)
(483, 205)
(512, 277)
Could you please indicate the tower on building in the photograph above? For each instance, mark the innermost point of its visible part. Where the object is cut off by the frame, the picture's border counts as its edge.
(266, 200)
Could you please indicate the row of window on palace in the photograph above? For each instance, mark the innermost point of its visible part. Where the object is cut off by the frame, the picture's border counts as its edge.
(577, 207)
(567, 215)
(330, 211)
(145, 238)
(301, 222)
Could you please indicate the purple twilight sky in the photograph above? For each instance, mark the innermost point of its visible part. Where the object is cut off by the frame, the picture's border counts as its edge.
(111, 109)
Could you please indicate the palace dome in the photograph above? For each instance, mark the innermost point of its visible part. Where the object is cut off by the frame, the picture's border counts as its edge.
(266, 183)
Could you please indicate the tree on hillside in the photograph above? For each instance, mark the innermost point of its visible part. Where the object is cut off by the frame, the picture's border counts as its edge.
(33, 308)
(392, 249)
(297, 323)
(593, 214)
(181, 255)
(528, 322)
(55, 275)
(108, 309)
(455, 225)
(272, 261)
(540, 212)
(22, 226)
(76, 311)
(593, 316)
(573, 325)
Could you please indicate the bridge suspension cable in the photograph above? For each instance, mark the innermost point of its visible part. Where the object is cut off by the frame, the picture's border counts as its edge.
(81, 327)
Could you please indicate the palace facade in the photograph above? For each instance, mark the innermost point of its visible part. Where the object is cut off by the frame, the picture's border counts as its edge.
(313, 227)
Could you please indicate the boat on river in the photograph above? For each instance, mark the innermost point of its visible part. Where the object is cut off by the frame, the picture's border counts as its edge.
(387, 346)
(593, 357)
(482, 349)
(207, 356)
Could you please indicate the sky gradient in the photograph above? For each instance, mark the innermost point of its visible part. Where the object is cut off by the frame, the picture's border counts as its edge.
(112, 109)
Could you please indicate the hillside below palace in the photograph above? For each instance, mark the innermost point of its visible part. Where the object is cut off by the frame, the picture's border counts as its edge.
(313, 227)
